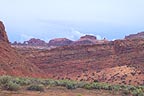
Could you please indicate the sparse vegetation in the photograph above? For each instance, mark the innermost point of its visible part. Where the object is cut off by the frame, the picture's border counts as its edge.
(36, 88)
(15, 83)
(7, 83)
(11, 86)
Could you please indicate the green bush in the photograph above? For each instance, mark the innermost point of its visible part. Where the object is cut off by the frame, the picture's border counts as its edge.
(22, 81)
(50, 82)
(35, 84)
(11, 86)
(98, 86)
(79, 95)
(115, 87)
(88, 86)
(36, 88)
(71, 86)
(105, 86)
(81, 84)
(125, 92)
(5, 79)
(66, 83)
(7, 83)
(137, 92)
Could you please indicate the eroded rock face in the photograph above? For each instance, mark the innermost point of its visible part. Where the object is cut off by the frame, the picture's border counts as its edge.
(89, 40)
(135, 36)
(59, 42)
(86, 40)
(114, 62)
(88, 37)
(35, 42)
(11, 62)
(3, 35)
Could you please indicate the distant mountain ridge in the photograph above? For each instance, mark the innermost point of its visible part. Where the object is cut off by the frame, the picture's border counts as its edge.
(84, 40)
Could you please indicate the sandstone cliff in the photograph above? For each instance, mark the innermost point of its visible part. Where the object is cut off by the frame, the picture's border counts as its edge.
(3, 35)
(11, 62)
(59, 42)
(35, 42)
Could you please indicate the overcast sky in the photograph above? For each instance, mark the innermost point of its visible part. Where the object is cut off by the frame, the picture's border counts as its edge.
(47, 19)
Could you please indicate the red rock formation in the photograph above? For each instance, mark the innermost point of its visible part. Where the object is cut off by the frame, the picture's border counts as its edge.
(89, 40)
(114, 62)
(35, 42)
(88, 37)
(59, 42)
(11, 62)
(3, 35)
(86, 40)
(135, 36)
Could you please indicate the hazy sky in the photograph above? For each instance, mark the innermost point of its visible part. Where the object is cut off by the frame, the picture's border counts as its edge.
(47, 19)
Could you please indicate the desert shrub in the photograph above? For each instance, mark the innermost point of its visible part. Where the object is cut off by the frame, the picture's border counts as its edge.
(99, 86)
(123, 86)
(88, 86)
(35, 84)
(7, 83)
(35, 81)
(36, 88)
(49, 82)
(96, 86)
(140, 87)
(131, 88)
(70, 86)
(81, 84)
(61, 82)
(115, 87)
(67, 83)
(79, 95)
(125, 92)
(11, 86)
(137, 92)
(105, 86)
(22, 81)
(5, 79)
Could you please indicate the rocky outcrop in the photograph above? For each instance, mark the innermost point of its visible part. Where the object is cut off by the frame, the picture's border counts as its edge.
(35, 42)
(85, 40)
(113, 62)
(11, 62)
(31, 42)
(89, 40)
(59, 42)
(3, 35)
(135, 36)
(90, 37)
